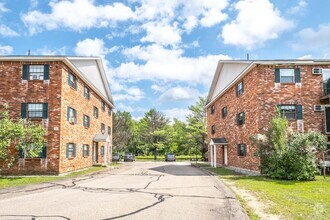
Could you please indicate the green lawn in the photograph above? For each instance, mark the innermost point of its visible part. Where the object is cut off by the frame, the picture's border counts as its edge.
(6, 182)
(291, 199)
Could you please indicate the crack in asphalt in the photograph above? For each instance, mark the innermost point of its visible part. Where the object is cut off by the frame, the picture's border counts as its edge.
(34, 217)
(160, 197)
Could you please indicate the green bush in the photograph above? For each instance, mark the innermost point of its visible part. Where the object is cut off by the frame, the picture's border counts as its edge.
(287, 155)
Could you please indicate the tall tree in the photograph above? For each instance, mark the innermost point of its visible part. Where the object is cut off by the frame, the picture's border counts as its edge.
(122, 129)
(153, 130)
(197, 124)
(24, 135)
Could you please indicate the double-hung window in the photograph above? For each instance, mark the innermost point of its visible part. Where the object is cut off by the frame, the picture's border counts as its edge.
(240, 118)
(102, 150)
(102, 128)
(85, 150)
(71, 115)
(109, 130)
(291, 112)
(72, 81)
(31, 152)
(287, 75)
(86, 121)
(35, 72)
(241, 150)
(224, 112)
(240, 88)
(34, 110)
(212, 109)
(109, 111)
(96, 112)
(70, 150)
(103, 106)
(87, 92)
(213, 129)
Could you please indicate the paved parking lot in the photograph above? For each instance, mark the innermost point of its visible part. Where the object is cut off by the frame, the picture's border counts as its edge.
(138, 190)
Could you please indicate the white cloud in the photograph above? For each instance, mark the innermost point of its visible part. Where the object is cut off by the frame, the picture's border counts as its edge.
(307, 56)
(6, 50)
(302, 4)
(47, 51)
(76, 15)
(131, 94)
(212, 13)
(7, 31)
(177, 113)
(179, 94)
(91, 47)
(165, 64)
(314, 40)
(257, 22)
(158, 88)
(3, 7)
(162, 34)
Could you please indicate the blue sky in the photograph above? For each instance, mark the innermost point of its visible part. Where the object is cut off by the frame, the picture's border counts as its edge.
(163, 53)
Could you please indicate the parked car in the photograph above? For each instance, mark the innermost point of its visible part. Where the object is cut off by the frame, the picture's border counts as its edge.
(170, 157)
(129, 157)
(115, 157)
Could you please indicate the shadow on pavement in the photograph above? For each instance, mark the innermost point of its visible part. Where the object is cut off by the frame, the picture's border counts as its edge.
(179, 170)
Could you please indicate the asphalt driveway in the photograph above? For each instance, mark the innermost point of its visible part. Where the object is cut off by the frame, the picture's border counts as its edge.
(139, 190)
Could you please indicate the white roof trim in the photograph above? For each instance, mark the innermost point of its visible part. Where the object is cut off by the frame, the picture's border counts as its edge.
(253, 63)
(66, 60)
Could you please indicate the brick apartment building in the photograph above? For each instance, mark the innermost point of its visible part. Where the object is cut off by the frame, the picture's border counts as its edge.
(243, 97)
(71, 98)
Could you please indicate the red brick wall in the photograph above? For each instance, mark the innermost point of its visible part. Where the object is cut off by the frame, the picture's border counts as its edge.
(77, 133)
(15, 91)
(258, 102)
(58, 95)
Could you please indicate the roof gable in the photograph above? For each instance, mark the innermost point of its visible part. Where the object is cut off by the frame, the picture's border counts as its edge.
(92, 70)
(226, 73)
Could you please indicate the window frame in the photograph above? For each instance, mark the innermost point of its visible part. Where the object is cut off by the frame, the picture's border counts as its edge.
(212, 109)
(286, 69)
(96, 112)
(38, 73)
(87, 92)
(213, 129)
(241, 152)
(240, 118)
(70, 150)
(240, 90)
(42, 154)
(41, 111)
(109, 111)
(102, 151)
(85, 150)
(69, 115)
(73, 84)
(224, 112)
(102, 128)
(103, 106)
(87, 123)
(285, 113)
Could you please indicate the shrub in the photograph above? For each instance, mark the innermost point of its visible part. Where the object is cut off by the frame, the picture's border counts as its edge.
(287, 155)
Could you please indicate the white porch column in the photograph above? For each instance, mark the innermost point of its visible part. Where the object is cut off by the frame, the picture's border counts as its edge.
(105, 153)
(225, 155)
(211, 154)
(215, 155)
